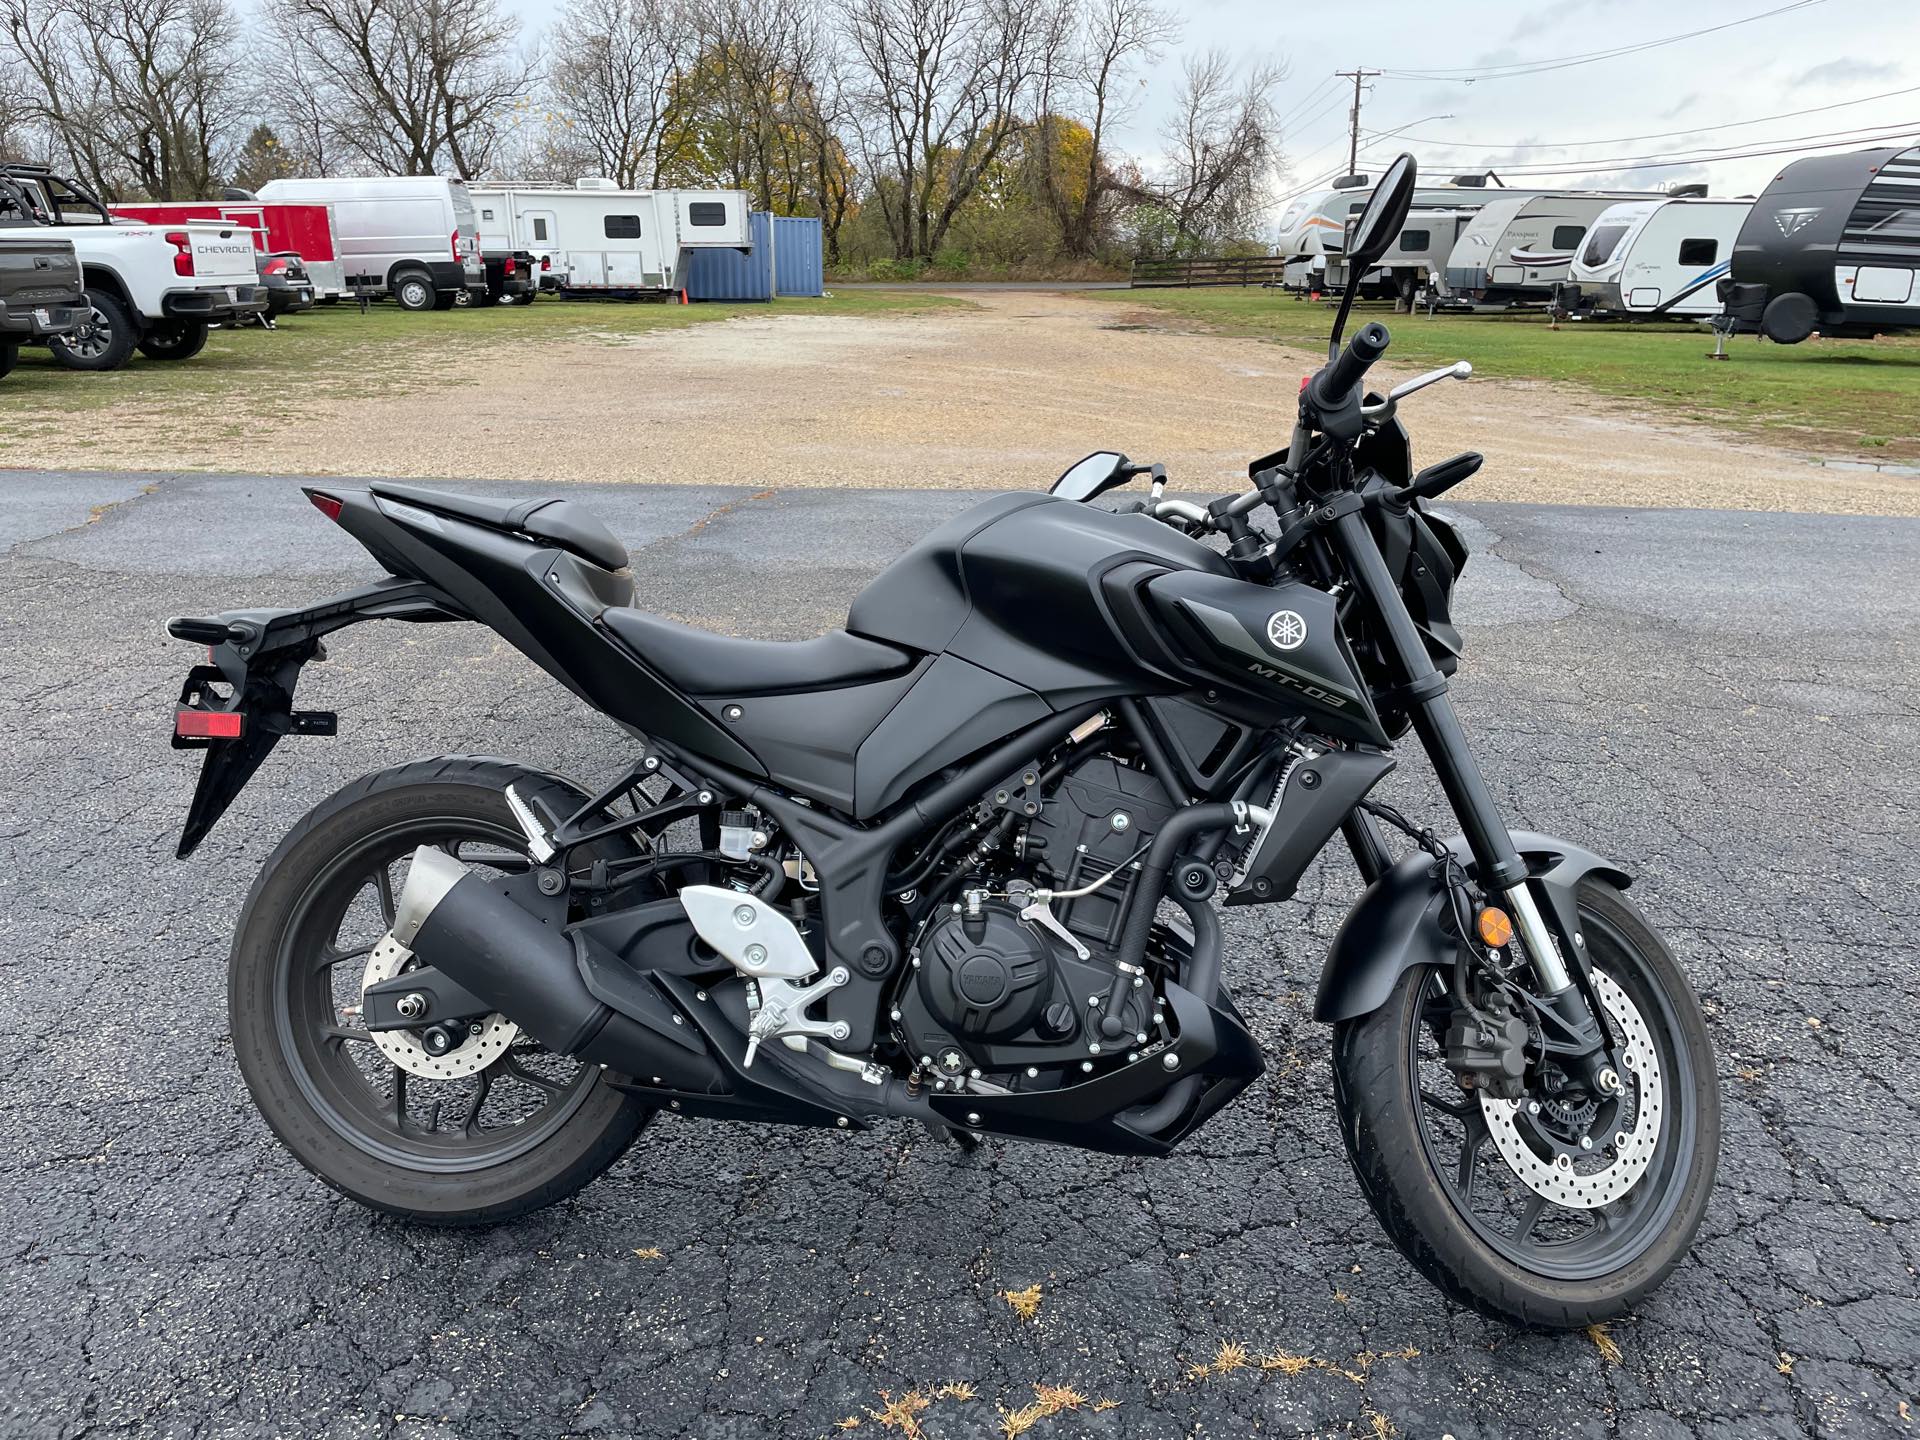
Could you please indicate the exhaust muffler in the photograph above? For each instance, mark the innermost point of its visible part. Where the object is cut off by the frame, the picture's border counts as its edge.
(566, 991)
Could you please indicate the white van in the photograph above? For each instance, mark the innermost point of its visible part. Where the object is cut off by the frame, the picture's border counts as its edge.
(594, 238)
(414, 237)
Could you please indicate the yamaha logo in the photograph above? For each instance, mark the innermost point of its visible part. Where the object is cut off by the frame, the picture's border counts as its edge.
(1286, 630)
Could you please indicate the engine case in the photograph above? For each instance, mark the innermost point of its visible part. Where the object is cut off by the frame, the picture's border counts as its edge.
(1099, 815)
(1007, 994)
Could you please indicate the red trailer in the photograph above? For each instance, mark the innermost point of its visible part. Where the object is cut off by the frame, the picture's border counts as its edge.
(305, 229)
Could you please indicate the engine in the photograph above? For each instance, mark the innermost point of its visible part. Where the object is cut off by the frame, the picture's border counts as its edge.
(1015, 991)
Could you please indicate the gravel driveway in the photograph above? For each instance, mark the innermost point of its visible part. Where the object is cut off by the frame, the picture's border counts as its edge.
(1728, 704)
(1002, 392)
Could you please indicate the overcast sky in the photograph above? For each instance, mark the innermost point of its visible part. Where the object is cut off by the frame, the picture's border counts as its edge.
(1819, 53)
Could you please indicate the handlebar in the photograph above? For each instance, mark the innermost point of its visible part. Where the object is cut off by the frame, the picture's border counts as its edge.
(1330, 388)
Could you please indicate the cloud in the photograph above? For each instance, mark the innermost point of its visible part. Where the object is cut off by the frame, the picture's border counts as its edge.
(1848, 71)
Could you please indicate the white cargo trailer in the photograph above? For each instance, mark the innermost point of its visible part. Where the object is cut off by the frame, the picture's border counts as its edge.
(595, 238)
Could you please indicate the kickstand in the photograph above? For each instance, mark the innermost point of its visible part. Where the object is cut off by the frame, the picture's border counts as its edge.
(968, 1142)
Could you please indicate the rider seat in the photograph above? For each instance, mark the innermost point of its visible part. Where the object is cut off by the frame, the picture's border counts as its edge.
(703, 663)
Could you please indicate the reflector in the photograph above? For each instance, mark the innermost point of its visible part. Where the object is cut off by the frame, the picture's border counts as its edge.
(208, 724)
(328, 505)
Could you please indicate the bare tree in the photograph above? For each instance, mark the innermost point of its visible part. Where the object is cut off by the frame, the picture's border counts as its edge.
(745, 103)
(1091, 58)
(939, 90)
(1222, 147)
(132, 95)
(615, 68)
(406, 86)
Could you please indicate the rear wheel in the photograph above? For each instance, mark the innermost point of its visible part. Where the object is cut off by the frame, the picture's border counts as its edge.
(1555, 1210)
(103, 341)
(413, 290)
(179, 340)
(9, 356)
(486, 1131)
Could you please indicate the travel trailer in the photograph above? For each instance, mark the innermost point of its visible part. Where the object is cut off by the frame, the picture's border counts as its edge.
(1833, 245)
(413, 237)
(598, 239)
(1517, 248)
(1415, 264)
(1653, 259)
(305, 230)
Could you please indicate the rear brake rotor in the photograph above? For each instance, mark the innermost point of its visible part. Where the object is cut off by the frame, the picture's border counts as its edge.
(1558, 1177)
(403, 1047)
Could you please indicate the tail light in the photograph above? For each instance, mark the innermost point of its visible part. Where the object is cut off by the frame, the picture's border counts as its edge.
(508, 270)
(454, 240)
(328, 505)
(546, 262)
(182, 244)
(274, 267)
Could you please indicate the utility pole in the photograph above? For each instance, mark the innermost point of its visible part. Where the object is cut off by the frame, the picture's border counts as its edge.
(1353, 127)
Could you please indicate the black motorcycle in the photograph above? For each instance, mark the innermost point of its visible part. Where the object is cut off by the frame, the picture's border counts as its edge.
(959, 864)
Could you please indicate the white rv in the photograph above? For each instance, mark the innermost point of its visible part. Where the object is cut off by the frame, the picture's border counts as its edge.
(1646, 259)
(1517, 248)
(413, 237)
(595, 238)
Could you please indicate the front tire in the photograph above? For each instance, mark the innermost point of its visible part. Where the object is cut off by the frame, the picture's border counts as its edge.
(103, 341)
(181, 340)
(1442, 1186)
(523, 1131)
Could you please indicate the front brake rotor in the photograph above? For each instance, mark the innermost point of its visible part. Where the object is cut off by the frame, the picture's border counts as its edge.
(1557, 1176)
(404, 1048)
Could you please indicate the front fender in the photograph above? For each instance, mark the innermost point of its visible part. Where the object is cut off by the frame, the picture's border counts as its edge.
(1396, 925)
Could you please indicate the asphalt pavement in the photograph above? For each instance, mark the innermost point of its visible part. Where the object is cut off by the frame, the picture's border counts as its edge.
(1726, 704)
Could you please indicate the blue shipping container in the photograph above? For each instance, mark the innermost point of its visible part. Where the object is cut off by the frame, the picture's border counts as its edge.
(788, 258)
(799, 256)
(729, 275)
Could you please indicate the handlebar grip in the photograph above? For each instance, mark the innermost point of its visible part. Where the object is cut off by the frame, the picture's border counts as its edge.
(1341, 374)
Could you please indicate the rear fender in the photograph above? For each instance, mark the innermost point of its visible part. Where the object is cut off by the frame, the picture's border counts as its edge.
(1396, 924)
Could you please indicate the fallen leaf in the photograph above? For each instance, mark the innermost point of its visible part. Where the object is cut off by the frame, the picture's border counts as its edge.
(1025, 1303)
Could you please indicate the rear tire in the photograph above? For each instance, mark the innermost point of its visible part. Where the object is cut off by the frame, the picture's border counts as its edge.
(181, 340)
(322, 1094)
(104, 340)
(1548, 1282)
(413, 290)
(9, 357)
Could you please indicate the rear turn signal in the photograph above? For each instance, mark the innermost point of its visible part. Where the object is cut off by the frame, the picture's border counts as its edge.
(208, 724)
(1496, 927)
(328, 505)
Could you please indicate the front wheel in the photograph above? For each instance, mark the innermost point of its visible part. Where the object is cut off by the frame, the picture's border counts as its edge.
(1555, 1210)
(490, 1129)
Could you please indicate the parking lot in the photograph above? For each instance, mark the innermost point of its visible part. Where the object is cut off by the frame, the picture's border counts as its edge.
(1725, 702)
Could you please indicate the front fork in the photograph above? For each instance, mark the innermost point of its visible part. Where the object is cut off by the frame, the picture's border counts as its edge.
(1423, 689)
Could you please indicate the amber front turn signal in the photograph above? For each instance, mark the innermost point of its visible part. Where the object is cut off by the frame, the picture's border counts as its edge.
(1496, 927)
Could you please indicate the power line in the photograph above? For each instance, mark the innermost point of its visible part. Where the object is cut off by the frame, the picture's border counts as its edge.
(1311, 96)
(1906, 135)
(1856, 135)
(1659, 135)
(1469, 75)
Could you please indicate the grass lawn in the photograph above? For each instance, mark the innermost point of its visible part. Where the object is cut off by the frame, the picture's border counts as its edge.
(337, 350)
(1857, 398)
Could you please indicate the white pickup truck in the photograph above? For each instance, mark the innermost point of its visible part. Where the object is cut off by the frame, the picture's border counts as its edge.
(154, 287)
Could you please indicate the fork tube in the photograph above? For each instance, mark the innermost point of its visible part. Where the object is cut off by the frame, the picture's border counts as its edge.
(1499, 865)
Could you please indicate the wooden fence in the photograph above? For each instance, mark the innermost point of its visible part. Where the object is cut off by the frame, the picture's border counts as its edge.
(1208, 270)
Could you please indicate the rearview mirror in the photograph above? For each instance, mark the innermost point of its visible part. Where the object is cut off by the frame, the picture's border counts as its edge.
(1095, 475)
(1386, 213)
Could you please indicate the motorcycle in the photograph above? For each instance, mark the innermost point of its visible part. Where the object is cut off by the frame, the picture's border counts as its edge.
(958, 863)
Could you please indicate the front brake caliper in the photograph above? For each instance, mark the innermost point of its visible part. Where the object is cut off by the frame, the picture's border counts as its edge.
(1486, 1047)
